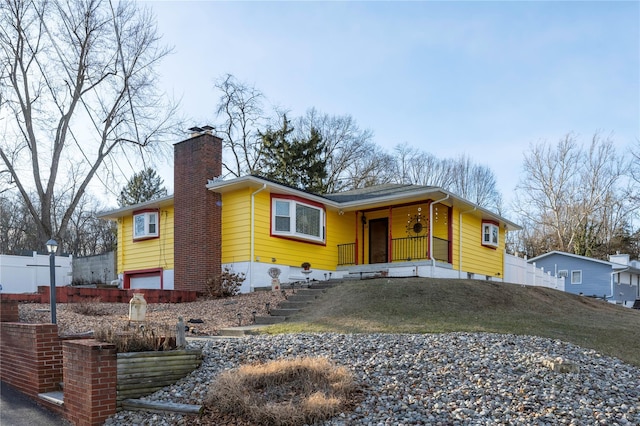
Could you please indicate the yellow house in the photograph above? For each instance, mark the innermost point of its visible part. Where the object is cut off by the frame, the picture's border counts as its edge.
(252, 225)
(145, 255)
(392, 229)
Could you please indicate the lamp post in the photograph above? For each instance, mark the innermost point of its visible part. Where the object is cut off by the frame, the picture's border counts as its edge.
(52, 246)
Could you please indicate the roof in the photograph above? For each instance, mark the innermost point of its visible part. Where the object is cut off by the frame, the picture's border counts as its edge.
(372, 197)
(368, 198)
(128, 210)
(375, 191)
(617, 267)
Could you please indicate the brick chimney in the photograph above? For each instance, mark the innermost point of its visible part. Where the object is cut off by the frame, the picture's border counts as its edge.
(197, 215)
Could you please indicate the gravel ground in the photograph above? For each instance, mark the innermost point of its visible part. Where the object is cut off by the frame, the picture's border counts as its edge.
(443, 379)
(77, 318)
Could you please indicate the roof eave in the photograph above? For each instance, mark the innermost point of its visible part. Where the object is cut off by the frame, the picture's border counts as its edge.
(256, 182)
(127, 210)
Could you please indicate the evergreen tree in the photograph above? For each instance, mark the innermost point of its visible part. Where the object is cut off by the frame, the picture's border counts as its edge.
(143, 186)
(297, 162)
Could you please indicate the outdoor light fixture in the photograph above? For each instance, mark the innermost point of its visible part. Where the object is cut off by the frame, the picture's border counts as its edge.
(52, 246)
(239, 315)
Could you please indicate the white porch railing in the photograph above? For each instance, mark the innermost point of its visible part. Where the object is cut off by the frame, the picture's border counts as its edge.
(518, 271)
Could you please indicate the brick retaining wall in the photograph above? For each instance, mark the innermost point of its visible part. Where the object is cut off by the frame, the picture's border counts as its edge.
(35, 360)
(9, 311)
(31, 357)
(106, 295)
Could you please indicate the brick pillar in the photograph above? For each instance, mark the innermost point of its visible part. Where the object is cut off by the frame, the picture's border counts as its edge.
(9, 311)
(90, 378)
(197, 215)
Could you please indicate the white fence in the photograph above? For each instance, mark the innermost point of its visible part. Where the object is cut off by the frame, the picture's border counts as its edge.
(23, 274)
(518, 271)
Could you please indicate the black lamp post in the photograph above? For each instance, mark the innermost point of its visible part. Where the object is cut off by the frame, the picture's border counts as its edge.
(52, 246)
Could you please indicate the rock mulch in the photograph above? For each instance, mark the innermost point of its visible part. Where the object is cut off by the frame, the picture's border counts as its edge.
(440, 379)
(210, 315)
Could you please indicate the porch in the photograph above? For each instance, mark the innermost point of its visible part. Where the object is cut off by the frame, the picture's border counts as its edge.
(406, 249)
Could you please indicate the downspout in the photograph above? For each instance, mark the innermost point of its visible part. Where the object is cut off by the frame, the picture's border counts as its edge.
(433, 261)
(253, 238)
(460, 240)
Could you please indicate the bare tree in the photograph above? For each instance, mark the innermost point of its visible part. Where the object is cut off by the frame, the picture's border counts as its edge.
(16, 225)
(78, 91)
(241, 108)
(346, 145)
(461, 176)
(574, 199)
(87, 235)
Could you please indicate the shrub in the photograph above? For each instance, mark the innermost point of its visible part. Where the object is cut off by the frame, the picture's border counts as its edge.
(138, 337)
(90, 307)
(283, 392)
(226, 285)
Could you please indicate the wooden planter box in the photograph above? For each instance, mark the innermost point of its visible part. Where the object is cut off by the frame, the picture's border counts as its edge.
(142, 373)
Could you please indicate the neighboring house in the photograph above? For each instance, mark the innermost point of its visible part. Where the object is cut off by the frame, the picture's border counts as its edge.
(617, 280)
(250, 225)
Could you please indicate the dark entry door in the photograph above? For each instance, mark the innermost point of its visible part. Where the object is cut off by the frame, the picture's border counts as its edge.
(378, 231)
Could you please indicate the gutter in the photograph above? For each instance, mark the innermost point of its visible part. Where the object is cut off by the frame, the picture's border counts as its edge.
(253, 238)
(460, 240)
(433, 261)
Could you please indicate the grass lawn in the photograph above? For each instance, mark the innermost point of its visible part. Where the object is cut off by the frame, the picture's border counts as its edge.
(427, 305)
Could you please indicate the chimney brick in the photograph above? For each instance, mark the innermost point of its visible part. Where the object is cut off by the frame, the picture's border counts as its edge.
(197, 216)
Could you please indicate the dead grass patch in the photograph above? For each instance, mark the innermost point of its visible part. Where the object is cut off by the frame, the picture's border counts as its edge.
(285, 392)
(138, 337)
(91, 307)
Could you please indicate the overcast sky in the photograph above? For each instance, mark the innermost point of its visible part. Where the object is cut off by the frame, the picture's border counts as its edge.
(481, 78)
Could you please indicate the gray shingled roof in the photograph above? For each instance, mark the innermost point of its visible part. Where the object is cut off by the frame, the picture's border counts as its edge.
(374, 192)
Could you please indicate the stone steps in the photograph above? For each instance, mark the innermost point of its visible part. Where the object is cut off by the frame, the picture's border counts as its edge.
(294, 305)
(303, 298)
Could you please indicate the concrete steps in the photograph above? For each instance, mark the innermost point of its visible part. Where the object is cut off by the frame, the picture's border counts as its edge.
(303, 298)
(294, 305)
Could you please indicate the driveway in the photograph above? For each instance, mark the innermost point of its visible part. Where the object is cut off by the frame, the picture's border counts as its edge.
(17, 409)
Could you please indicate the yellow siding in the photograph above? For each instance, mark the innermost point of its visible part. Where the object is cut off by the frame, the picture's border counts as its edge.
(293, 252)
(236, 234)
(341, 229)
(476, 258)
(236, 226)
(146, 254)
(440, 221)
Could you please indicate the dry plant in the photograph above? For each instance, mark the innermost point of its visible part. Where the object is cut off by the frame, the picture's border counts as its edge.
(89, 307)
(138, 337)
(284, 392)
(226, 284)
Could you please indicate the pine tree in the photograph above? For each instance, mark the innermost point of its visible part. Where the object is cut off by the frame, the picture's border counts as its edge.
(295, 162)
(143, 186)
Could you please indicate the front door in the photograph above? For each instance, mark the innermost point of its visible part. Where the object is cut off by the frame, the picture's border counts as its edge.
(378, 240)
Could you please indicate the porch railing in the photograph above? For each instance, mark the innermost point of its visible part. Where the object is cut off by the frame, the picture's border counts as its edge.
(409, 248)
(347, 254)
(403, 250)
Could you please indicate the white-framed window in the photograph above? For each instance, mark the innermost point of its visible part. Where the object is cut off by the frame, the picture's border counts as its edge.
(563, 273)
(490, 234)
(576, 277)
(145, 225)
(296, 219)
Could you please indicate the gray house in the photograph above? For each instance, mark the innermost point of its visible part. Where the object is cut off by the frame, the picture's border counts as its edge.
(617, 280)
